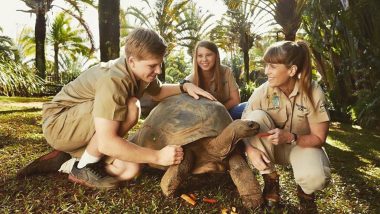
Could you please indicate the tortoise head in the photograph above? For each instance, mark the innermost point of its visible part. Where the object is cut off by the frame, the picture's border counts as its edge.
(244, 128)
(223, 144)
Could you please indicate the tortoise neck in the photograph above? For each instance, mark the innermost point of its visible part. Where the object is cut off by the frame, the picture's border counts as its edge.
(223, 144)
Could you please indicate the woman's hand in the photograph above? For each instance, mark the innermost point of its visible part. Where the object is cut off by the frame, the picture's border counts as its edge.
(279, 136)
(194, 91)
(258, 159)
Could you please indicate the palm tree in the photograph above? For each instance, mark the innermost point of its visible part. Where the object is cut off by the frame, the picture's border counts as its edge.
(64, 38)
(288, 14)
(196, 25)
(26, 45)
(7, 48)
(247, 21)
(41, 8)
(125, 26)
(109, 29)
(164, 18)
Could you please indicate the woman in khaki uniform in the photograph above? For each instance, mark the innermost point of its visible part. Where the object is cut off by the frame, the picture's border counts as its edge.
(215, 78)
(291, 109)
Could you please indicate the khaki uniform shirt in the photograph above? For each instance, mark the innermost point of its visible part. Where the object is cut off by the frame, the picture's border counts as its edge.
(229, 83)
(108, 85)
(294, 113)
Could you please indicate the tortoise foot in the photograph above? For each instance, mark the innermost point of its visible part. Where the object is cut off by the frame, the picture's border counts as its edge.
(176, 174)
(252, 201)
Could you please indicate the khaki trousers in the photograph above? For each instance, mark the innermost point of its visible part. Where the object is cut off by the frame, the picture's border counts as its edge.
(310, 165)
(70, 130)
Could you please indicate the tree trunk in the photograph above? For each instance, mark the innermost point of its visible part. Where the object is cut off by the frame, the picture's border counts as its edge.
(246, 65)
(56, 70)
(161, 76)
(40, 35)
(109, 29)
(290, 36)
(321, 68)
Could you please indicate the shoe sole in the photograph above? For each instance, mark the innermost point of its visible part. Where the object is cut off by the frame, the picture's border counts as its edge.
(87, 184)
(56, 156)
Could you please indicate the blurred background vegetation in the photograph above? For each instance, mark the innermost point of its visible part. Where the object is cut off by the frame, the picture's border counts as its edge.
(344, 36)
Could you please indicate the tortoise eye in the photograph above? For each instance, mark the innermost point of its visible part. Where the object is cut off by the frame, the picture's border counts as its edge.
(251, 124)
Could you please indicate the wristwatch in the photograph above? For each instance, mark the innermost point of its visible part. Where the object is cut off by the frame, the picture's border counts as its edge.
(181, 83)
(293, 142)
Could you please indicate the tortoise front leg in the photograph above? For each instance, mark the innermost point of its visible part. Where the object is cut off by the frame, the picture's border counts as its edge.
(175, 174)
(245, 181)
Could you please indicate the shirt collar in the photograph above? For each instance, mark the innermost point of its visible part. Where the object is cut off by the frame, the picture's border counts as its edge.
(278, 91)
(295, 89)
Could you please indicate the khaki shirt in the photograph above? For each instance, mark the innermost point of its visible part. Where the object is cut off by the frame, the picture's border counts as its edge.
(294, 113)
(229, 83)
(108, 85)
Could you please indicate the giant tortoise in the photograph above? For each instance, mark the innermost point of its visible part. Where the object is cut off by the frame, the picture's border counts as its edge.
(208, 136)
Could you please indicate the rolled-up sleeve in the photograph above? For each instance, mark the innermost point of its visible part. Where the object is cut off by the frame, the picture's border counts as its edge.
(111, 97)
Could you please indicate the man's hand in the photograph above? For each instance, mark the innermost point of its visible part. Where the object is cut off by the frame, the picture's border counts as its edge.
(170, 155)
(258, 159)
(279, 136)
(194, 91)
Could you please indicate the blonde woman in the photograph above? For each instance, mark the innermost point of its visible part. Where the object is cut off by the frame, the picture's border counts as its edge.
(215, 78)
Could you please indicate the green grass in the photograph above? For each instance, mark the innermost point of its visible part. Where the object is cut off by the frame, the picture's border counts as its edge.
(354, 156)
(4, 99)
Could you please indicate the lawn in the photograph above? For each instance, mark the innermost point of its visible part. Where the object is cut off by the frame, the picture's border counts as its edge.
(355, 187)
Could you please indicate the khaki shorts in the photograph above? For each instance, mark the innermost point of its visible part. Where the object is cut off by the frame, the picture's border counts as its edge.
(70, 130)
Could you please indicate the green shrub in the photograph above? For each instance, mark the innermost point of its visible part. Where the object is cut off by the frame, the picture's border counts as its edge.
(17, 79)
(366, 112)
(246, 91)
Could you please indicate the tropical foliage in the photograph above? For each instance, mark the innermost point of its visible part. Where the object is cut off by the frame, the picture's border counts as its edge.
(40, 8)
(245, 22)
(347, 54)
(164, 18)
(17, 79)
(66, 39)
(198, 26)
(8, 50)
(177, 67)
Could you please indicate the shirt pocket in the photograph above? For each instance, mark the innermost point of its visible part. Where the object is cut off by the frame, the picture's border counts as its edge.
(279, 117)
(301, 123)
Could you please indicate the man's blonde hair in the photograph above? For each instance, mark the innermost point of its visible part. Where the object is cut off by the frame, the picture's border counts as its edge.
(144, 43)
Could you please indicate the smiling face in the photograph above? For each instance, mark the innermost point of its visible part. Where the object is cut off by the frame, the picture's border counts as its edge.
(206, 59)
(145, 69)
(278, 75)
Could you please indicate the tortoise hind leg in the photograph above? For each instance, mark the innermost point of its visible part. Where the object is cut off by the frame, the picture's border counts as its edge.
(245, 181)
(175, 174)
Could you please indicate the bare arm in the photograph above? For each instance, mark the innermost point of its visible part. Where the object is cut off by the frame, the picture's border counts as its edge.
(173, 89)
(316, 138)
(109, 143)
(234, 99)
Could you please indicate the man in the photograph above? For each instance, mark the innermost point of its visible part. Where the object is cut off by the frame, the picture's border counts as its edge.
(89, 117)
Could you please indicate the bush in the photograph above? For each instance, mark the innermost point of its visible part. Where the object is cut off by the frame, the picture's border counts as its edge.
(17, 79)
(246, 91)
(366, 112)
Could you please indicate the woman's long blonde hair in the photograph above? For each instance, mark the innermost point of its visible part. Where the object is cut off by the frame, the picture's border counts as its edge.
(217, 68)
(293, 53)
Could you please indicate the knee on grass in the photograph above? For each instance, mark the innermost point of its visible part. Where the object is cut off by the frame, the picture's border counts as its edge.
(124, 170)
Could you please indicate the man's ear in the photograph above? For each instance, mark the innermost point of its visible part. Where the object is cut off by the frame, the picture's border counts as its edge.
(293, 70)
(131, 61)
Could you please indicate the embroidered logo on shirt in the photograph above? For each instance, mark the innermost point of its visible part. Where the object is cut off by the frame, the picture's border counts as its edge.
(300, 107)
(322, 107)
(275, 102)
